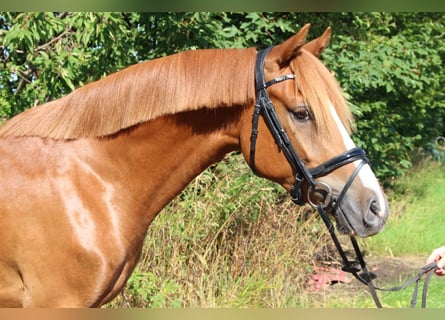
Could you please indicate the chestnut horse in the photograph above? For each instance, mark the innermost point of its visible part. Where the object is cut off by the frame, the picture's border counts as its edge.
(82, 177)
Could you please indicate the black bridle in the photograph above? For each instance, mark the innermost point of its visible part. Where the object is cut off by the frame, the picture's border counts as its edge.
(327, 201)
(265, 107)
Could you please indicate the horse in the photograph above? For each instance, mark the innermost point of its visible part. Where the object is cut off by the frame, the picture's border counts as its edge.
(82, 177)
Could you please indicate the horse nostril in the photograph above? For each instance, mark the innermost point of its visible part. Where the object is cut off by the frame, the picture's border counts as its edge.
(375, 208)
(372, 217)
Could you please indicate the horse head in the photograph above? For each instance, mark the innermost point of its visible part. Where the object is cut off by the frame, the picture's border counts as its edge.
(300, 136)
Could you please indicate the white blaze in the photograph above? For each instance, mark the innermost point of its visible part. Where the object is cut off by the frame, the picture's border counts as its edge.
(365, 175)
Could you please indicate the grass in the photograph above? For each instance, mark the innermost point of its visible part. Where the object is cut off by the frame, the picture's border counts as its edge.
(234, 240)
(417, 220)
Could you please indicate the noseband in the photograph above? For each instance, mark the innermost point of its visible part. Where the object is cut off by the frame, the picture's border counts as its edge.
(328, 202)
(265, 107)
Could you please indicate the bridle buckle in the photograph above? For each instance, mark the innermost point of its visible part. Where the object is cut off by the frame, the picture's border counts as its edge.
(319, 194)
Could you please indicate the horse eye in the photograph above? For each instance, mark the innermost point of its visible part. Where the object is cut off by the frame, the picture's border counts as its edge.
(302, 115)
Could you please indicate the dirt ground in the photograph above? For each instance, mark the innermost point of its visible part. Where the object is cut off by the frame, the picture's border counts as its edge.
(389, 270)
(328, 280)
(392, 270)
(327, 275)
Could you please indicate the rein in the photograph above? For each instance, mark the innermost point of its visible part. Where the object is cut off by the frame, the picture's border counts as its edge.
(360, 271)
(264, 107)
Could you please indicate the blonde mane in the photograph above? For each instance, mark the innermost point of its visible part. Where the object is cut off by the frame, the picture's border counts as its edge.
(185, 81)
(182, 82)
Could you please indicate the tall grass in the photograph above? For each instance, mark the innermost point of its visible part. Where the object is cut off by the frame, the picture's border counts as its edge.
(229, 240)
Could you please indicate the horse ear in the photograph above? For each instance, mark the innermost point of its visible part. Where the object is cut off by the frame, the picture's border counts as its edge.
(285, 52)
(317, 46)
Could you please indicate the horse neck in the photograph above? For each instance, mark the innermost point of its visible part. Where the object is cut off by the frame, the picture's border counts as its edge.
(155, 161)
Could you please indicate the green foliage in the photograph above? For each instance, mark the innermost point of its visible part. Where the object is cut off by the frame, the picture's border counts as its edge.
(47, 55)
(389, 64)
(394, 80)
(144, 289)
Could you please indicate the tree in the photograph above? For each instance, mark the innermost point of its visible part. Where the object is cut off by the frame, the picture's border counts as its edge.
(389, 64)
(393, 76)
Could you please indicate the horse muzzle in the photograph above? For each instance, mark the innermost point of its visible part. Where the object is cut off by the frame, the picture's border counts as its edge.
(358, 210)
(355, 220)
